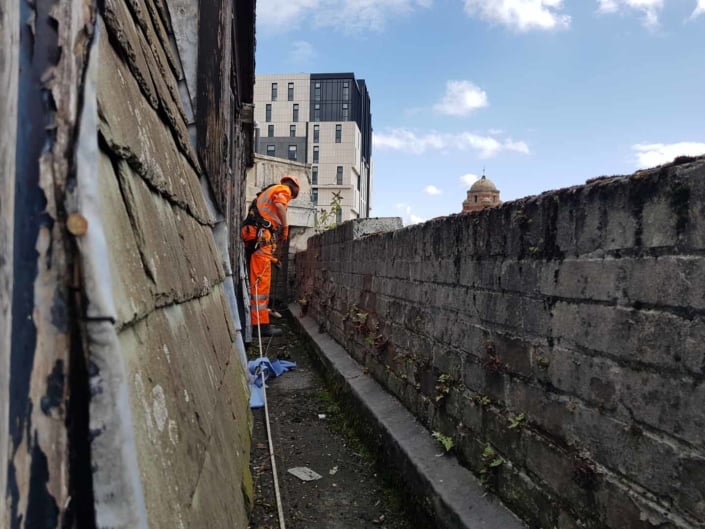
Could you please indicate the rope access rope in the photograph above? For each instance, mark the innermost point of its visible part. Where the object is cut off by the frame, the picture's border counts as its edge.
(277, 494)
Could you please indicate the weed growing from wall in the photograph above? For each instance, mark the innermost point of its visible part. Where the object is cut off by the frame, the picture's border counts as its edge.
(326, 219)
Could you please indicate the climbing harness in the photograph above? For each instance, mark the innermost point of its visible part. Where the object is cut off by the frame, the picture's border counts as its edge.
(254, 217)
(277, 493)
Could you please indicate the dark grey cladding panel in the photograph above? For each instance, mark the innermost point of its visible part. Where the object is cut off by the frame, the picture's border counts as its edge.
(281, 146)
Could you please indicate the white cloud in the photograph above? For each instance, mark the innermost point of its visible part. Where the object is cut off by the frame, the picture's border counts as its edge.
(699, 9)
(649, 8)
(301, 52)
(468, 180)
(408, 141)
(461, 98)
(350, 15)
(432, 190)
(282, 13)
(521, 15)
(407, 216)
(653, 154)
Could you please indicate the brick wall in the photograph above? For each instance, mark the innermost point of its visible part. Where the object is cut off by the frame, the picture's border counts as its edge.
(557, 339)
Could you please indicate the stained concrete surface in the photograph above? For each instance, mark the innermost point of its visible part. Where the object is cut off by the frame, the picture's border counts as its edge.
(352, 493)
(445, 491)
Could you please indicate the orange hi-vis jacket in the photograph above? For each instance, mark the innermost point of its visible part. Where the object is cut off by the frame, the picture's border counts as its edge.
(277, 194)
(261, 259)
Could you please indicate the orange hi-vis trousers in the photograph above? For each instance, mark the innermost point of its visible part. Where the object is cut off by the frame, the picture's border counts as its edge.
(261, 281)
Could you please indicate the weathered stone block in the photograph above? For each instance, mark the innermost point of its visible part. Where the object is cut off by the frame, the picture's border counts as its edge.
(179, 253)
(132, 289)
(621, 506)
(688, 200)
(691, 493)
(590, 279)
(122, 28)
(652, 461)
(671, 404)
(514, 353)
(658, 224)
(225, 473)
(620, 229)
(645, 336)
(675, 281)
(555, 467)
(588, 224)
(173, 398)
(134, 132)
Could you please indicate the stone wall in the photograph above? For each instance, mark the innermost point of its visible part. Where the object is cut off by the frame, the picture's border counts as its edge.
(187, 387)
(558, 340)
(125, 404)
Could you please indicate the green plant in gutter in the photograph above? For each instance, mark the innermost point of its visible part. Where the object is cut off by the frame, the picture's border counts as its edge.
(446, 441)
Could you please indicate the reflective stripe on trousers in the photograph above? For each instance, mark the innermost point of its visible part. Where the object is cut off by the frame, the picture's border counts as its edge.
(260, 284)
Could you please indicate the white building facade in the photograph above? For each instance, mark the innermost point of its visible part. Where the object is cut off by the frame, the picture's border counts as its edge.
(323, 120)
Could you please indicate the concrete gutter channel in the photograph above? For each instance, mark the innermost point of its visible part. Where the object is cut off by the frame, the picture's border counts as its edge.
(448, 492)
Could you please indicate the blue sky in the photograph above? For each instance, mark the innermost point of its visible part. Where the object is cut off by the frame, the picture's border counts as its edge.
(543, 94)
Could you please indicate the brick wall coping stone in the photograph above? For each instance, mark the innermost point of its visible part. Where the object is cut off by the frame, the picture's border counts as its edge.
(454, 497)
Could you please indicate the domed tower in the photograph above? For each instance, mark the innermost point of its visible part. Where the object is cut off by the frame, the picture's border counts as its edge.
(483, 194)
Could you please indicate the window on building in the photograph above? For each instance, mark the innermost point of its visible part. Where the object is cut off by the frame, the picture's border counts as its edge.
(346, 91)
(339, 216)
(270, 150)
(268, 112)
(270, 131)
(338, 133)
(346, 112)
(359, 182)
(315, 154)
(314, 175)
(317, 92)
(295, 117)
(290, 92)
(274, 91)
(316, 133)
(314, 196)
(339, 175)
(292, 131)
(316, 112)
(475, 198)
(292, 152)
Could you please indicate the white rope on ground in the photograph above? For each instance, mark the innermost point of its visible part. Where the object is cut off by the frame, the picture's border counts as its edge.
(277, 494)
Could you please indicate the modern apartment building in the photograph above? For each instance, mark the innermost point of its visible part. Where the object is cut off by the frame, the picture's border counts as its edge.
(323, 120)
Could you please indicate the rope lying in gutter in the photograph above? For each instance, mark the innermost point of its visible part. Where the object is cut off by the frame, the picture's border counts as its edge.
(277, 494)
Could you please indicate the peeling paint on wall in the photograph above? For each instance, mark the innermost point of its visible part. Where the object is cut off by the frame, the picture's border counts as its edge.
(9, 72)
(122, 294)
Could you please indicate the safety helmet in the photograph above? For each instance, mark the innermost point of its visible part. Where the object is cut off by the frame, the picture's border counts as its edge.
(292, 180)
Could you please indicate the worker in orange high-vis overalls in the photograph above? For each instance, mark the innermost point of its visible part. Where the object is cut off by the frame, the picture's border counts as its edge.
(266, 225)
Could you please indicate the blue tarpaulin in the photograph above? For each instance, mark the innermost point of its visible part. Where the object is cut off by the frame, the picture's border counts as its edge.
(256, 367)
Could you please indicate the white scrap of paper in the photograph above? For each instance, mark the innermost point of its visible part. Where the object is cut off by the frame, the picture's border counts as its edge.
(304, 473)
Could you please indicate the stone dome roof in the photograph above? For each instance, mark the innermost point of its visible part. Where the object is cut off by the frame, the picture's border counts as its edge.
(483, 184)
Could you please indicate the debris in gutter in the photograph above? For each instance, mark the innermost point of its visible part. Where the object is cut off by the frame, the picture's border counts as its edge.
(304, 473)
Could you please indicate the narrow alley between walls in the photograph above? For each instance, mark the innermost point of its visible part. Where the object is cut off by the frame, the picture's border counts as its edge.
(311, 431)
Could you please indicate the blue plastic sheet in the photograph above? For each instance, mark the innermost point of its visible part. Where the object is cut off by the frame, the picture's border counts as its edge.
(256, 367)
